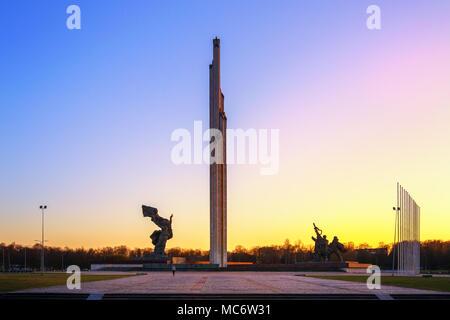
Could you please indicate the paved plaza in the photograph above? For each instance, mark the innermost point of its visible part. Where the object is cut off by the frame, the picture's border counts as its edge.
(227, 283)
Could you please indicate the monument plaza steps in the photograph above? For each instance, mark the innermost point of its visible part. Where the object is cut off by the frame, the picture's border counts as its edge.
(348, 266)
(183, 265)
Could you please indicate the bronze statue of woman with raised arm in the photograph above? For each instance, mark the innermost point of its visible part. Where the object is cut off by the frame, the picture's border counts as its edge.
(159, 237)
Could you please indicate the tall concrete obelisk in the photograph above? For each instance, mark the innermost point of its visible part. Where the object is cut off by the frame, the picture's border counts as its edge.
(218, 170)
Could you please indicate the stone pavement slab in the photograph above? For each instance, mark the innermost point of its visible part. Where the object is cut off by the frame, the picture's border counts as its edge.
(228, 283)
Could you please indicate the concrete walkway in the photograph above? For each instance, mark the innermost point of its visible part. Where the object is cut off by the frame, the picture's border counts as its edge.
(228, 283)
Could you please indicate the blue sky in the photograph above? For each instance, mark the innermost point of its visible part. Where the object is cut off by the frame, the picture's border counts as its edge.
(86, 115)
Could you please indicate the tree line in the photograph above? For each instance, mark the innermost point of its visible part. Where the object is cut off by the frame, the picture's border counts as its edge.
(435, 254)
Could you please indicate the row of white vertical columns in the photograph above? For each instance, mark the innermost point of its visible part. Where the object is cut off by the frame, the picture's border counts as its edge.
(407, 230)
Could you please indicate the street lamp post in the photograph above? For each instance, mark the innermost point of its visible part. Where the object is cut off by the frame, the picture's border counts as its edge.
(396, 233)
(42, 207)
(396, 209)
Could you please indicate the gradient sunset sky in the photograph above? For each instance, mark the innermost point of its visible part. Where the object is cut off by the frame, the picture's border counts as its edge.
(86, 118)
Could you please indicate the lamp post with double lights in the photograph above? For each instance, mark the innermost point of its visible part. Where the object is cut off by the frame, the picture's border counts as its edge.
(42, 207)
(396, 209)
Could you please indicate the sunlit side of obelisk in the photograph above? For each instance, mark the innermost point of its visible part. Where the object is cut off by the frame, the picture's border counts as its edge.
(218, 171)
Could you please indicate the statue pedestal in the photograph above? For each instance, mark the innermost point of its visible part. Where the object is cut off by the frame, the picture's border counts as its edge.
(155, 258)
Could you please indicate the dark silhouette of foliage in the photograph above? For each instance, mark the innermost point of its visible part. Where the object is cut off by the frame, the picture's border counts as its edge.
(435, 255)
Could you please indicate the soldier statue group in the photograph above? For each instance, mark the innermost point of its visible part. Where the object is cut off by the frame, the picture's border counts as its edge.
(323, 250)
